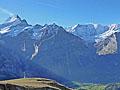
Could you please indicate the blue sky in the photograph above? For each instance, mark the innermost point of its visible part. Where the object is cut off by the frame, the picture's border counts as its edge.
(62, 12)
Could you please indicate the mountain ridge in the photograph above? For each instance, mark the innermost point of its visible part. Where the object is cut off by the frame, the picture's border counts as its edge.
(80, 56)
(84, 31)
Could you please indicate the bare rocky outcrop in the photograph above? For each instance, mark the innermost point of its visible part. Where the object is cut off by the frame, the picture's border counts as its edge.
(107, 46)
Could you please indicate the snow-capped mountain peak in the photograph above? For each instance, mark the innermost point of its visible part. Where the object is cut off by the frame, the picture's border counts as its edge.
(13, 26)
(88, 32)
(112, 29)
(78, 25)
(13, 19)
(46, 31)
(93, 32)
(85, 32)
(96, 25)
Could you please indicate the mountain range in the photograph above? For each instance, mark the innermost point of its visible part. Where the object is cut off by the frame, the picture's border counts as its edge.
(83, 53)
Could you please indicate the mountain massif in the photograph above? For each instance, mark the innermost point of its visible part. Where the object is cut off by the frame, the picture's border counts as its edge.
(83, 53)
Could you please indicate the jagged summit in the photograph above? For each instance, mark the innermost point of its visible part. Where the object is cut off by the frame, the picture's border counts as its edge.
(15, 25)
(88, 32)
(37, 26)
(93, 32)
(13, 19)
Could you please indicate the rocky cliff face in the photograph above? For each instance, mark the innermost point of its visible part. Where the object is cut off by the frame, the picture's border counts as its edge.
(107, 46)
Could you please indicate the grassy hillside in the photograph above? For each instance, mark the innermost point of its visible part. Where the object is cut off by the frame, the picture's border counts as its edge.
(90, 86)
(31, 84)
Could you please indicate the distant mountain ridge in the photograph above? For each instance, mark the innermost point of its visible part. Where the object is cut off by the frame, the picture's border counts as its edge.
(83, 53)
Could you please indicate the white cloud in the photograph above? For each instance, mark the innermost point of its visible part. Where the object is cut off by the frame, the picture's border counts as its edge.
(6, 11)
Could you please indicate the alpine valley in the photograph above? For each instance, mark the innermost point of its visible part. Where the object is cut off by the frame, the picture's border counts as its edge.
(87, 53)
